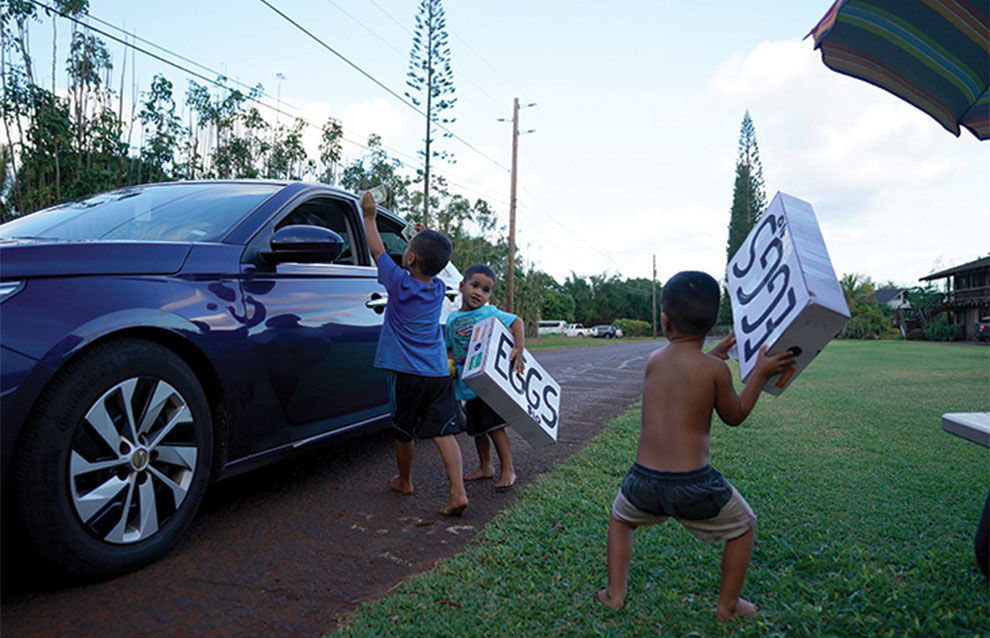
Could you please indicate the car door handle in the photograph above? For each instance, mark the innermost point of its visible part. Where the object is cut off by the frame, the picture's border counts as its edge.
(377, 302)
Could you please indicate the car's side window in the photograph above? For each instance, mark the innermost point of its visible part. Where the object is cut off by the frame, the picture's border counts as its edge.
(328, 213)
(395, 242)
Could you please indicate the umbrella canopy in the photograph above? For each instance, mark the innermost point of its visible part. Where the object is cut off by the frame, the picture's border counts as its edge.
(934, 54)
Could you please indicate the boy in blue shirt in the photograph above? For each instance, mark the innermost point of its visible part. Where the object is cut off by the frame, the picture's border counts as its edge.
(411, 348)
(483, 423)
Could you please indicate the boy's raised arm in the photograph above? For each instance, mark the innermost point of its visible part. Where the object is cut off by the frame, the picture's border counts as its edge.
(369, 212)
(733, 408)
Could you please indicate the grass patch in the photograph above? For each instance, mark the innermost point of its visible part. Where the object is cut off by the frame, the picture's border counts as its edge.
(556, 342)
(867, 512)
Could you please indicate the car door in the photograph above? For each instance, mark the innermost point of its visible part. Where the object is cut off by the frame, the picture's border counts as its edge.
(312, 330)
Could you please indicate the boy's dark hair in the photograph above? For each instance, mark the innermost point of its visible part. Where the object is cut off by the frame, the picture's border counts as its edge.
(432, 251)
(690, 299)
(476, 268)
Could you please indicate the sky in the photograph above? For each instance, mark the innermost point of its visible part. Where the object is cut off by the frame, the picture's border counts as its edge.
(638, 107)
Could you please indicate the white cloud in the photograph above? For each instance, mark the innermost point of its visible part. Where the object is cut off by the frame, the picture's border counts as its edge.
(374, 116)
(891, 188)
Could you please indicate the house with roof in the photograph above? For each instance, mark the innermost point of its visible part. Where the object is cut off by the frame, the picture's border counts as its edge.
(894, 298)
(897, 300)
(965, 294)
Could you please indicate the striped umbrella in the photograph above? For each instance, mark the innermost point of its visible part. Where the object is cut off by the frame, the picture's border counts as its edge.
(934, 54)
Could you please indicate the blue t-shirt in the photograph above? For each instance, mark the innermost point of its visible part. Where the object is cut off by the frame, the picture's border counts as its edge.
(460, 324)
(411, 340)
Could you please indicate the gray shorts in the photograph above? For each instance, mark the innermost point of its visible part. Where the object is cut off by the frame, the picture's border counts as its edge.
(701, 500)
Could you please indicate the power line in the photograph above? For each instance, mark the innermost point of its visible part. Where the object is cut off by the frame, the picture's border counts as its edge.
(378, 82)
(216, 74)
(124, 42)
(389, 45)
(389, 15)
(365, 27)
(496, 102)
(222, 85)
(185, 69)
(217, 83)
(507, 80)
(581, 239)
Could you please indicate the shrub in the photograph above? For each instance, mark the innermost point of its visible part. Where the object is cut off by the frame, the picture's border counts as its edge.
(634, 327)
(939, 329)
(869, 321)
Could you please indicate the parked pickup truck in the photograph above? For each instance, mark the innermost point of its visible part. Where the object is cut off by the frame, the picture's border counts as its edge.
(577, 330)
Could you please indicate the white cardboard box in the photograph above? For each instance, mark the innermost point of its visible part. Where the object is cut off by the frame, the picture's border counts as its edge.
(783, 290)
(530, 402)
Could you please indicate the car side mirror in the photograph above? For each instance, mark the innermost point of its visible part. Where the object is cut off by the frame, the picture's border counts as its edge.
(305, 245)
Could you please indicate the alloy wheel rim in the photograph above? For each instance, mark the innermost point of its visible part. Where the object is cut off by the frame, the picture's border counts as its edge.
(132, 460)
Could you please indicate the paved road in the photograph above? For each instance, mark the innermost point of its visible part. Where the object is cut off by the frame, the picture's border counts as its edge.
(288, 549)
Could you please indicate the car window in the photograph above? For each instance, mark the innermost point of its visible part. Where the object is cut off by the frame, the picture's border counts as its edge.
(328, 213)
(169, 212)
(395, 242)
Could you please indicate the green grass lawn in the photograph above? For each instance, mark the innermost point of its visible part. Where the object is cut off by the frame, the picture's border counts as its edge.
(554, 342)
(867, 510)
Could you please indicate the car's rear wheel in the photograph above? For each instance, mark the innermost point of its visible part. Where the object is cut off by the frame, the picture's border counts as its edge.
(114, 460)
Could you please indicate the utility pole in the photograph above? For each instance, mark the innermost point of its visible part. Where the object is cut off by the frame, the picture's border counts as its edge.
(510, 276)
(654, 286)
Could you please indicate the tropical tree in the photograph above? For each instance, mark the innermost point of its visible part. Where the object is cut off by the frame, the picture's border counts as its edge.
(431, 84)
(331, 150)
(583, 295)
(856, 287)
(382, 170)
(748, 200)
(162, 130)
(557, 305)
(287, 157)
(530, 285)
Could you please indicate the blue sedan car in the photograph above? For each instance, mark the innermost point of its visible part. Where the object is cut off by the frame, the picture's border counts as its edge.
(160, 336)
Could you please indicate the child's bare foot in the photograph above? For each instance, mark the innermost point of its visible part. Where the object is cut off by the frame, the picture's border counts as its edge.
(743, 609)
(455, 507)
(603, 597)
(480, 473)
(397, 484)
(506, 480)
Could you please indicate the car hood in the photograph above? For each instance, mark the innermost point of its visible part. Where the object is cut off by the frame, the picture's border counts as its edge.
(32, 258)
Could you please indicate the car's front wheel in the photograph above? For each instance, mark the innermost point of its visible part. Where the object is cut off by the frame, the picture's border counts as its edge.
(114, 460)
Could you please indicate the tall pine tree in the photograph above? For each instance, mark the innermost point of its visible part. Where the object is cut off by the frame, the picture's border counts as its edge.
(748, 200)
(431, 82)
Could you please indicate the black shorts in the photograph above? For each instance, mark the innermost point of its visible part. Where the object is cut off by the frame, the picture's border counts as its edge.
(422, 407)
(481, 418)
(694, 495)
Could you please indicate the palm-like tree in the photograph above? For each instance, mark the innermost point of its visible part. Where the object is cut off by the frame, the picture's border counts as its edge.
(856, 287)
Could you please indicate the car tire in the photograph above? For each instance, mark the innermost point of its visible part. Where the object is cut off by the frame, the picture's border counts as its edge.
(113, 461)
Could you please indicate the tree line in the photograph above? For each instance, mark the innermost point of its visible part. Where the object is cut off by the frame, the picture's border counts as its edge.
(62, 144)
(86, 138)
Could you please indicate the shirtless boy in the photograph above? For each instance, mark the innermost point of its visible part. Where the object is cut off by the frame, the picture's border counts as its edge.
(671, 476)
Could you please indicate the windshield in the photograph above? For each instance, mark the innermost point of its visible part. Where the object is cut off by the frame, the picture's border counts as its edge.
(169, 212)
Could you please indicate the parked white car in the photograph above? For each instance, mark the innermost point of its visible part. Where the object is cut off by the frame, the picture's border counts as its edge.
(577, 330)
(551, 328)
